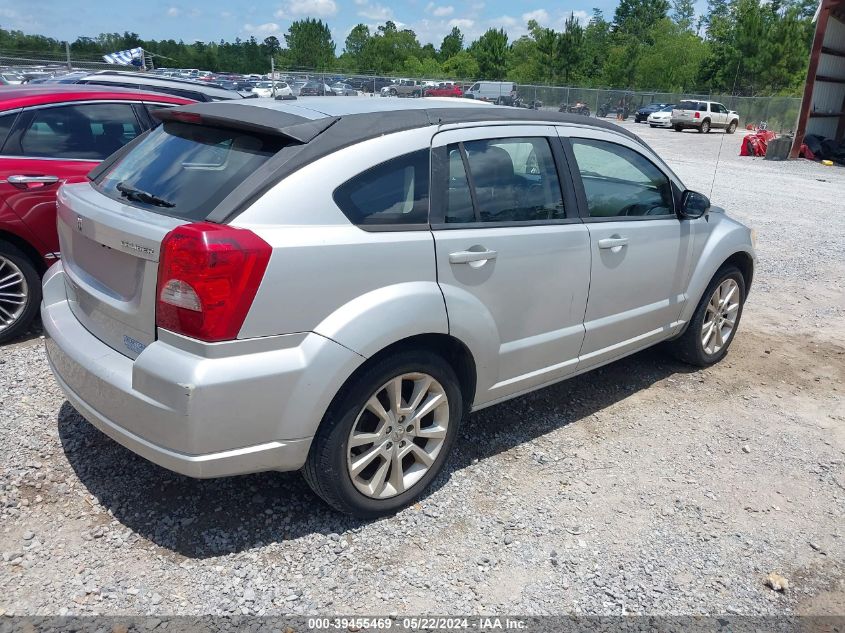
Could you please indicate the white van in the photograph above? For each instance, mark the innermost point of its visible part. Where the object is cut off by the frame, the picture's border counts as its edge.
(501, 92)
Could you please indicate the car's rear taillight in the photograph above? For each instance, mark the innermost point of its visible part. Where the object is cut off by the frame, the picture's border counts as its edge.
(208, 276)
(697, 115)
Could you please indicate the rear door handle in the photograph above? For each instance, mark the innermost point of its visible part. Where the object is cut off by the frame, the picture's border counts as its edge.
(613, 242)
(465, 257)
(32, 182)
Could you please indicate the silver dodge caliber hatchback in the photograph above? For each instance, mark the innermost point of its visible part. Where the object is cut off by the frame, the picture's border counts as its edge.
(333, 286)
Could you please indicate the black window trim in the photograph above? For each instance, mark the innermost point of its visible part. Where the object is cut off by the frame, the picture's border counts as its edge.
(583, 207)
(440, 178)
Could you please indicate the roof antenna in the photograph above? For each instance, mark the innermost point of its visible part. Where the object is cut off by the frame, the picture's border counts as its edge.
(716, 169)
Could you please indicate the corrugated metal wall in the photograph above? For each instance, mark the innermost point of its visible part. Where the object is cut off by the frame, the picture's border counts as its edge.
(828, 96)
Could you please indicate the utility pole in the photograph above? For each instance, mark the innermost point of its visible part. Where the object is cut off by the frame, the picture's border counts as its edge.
(272, 76)
(67, 55)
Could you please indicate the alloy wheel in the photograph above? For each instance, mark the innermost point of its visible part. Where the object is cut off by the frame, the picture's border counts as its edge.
(397, 435)
(14, 292)
(720, 317)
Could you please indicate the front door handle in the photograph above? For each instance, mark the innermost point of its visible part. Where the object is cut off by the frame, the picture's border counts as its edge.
(613, 242)
(32, 182)
(466, 257)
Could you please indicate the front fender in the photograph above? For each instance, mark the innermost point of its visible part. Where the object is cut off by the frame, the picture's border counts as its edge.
(370, 322)
(725, 239)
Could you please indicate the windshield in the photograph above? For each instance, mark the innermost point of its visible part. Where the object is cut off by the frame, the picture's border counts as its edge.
(186, 170)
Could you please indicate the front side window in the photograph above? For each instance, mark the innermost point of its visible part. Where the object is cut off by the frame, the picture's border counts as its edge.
(620, 182)
(81, 132)
(394, 192)
(513, 180)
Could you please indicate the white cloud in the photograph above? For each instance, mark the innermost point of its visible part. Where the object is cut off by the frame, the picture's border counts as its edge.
(540, 15)
(477, 6)
(439, 11)
(462, 23)
(225, 14)
(372, 11)
(174, 12)
(268, 28)
(310, 8)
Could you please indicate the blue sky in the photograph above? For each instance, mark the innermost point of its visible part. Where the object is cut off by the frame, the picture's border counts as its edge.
(206, 20)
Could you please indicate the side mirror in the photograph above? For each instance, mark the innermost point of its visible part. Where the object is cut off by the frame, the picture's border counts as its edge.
(694, 205)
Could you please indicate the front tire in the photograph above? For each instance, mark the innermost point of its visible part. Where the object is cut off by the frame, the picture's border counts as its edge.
(714, 322)
(20, 291)
(387, 435)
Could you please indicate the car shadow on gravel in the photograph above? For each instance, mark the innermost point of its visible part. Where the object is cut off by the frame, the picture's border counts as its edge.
(201, 518)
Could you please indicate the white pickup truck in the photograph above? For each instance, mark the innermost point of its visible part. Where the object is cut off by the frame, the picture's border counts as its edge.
(704, 116)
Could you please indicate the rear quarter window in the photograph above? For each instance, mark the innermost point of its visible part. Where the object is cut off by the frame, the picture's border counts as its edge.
(392, 193)
(6, 123)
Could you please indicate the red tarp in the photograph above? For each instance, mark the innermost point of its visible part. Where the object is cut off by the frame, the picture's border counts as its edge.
(756, 144)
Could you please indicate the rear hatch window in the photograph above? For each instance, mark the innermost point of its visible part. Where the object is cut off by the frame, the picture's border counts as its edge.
(689, 105)
(185, 170)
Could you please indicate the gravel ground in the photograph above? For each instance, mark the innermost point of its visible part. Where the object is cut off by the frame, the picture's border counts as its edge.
(642, 487)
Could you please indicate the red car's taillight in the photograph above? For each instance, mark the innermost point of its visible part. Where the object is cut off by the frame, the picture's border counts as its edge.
(208, 276)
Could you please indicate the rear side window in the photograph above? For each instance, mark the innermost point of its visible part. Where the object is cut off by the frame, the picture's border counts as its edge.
(186, 170)
(513, 180)
(81, 132)
(394, 192)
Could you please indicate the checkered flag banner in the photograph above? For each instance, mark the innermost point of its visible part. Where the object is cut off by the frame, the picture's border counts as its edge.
(124, 58)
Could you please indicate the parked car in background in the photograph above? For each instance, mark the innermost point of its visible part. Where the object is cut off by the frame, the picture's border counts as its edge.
(373, 85)
(296, 86)
(704, 116)
(12, 79)
(315, 89)
(185, 88)
(265, 89)
(661, 118)
(406, 88)
(50, 135)
(344, 90)
(198, 287)
(499, 92)
(642, 114)
(444, 90)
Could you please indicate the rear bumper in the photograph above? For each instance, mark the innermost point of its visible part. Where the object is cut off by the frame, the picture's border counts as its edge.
(687, 122)
(191, 410)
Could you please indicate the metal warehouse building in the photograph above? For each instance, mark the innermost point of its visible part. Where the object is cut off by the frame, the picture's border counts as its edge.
(823, 106)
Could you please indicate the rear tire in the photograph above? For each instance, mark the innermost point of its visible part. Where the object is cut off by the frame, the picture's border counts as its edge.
(731, 128)
(704, 128)
(20, 296)
(690, 346)
(330, 464)
(679, 128)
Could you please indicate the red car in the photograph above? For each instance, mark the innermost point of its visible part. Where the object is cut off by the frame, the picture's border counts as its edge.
(445, 90)
(49, 135)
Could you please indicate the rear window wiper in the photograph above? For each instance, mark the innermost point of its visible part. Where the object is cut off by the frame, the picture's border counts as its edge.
(142, 196)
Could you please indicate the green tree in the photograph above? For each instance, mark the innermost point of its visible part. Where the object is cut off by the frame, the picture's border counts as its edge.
(637, 17)
(462, 65)
(491, 52)
(596, 44)
(452, 44)
(522, 61)
(673, 62)
(683, 13)
(570, 48)
(309, 44)
(546, 54)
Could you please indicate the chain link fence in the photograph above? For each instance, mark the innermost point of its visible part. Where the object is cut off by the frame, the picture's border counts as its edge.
(780, 114)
